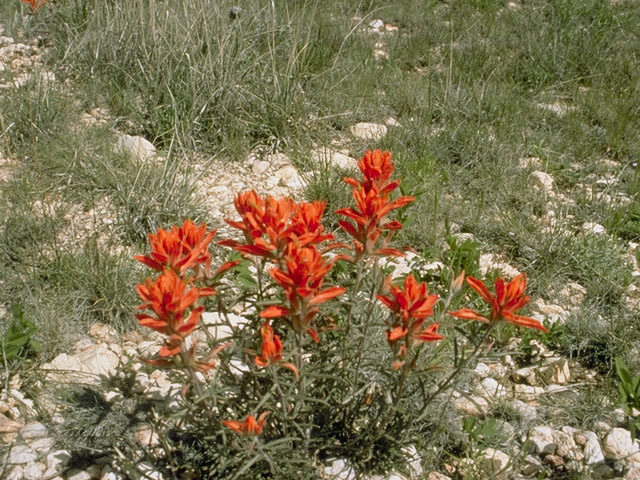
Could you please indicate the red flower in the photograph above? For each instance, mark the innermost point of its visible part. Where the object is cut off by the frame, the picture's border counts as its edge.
(301, 278)
(373, 204)
(34, 5)
(180, 248)
(412, 305)
(508, 299)
(271, 350)
(249, 426)
(169, 299)
(269, 224)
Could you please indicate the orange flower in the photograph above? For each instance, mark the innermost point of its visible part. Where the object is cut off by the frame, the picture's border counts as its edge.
(249, 426)
(373, 204)
(169, 299)
(269, 224)
(301, 279)
(34, 5)
(412, 305)
(180, 248)
(508, 299)
(271, 350)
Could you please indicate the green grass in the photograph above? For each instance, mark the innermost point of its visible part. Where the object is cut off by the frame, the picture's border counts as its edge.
(464, 79)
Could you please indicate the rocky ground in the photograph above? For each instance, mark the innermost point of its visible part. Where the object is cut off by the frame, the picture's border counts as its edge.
(526, 388)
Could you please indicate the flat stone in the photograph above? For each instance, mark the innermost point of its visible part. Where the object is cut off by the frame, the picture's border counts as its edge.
(471, 405)
(594, 228)
(85, 366)
(33, 430)
(77, 474)
(103, 333)
(619, 445)
(368, 131)
(9, 426)
(497, 462)
(20, 455)
(56, 461)
(42, 445)
(541, 440)
(259, 167)
(555, 371)
(592, 450)
(33, 471)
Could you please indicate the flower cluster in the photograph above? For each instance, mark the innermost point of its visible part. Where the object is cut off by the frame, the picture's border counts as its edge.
(411, 305)
(288, 234)
(372, 197)
(508, 299)
(34, 5)
(171, 296)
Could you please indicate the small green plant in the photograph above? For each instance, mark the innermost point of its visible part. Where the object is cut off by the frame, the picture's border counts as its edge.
(17, 340)
(629, 389)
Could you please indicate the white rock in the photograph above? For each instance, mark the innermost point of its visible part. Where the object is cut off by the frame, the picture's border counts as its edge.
(525, 375)
(42, 445)
(137, 147)
(542, 181)
(56, 461)
(288, 176)
(33, 471)
(555, 371)
(574, 293)
(103, 333)
(525, 410)
(527, 393)
(592, 450)
(259, 167)
(559, 108)
(21, 454)
(471, 405)
(414, 461)
(619, 445)
(489, 261)
(490, 389)
(108, 473)
(592, 227)
(437, 476)
(33, 430)
(85, 366)
(16, 473)
(149, 471)
(376, 25)
(392, 122)
(221, 327)
(6, 424)
(482, 370)
(368, 131)
(339, 470)
(380, 54)
(77, 474)
(145, 435)
(497, 462)
(566, 446)
(541, 440)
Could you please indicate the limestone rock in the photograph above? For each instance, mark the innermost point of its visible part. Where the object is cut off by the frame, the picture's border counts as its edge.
(85, 366)
(33, 430)
(9, 426)
(471, 405)
(619, 445)
(103, 333)
(288, 176)
(339, 470)
(541, 440)
(221, 327)
(496, 462)
(20, 455)
(594, 228)
(542, 181)
(555, 371)
(437, 476)
(592, 450)
(137, 147)
(77, 474)
(490, 261)
(368, 131)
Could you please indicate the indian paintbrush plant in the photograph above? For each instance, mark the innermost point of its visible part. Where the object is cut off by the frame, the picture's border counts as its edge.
(337, 358)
